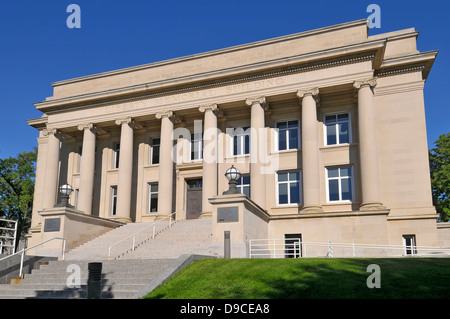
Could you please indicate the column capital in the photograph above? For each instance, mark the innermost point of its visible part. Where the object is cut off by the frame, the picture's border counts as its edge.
(127, 120)
(252, 100)
(162, 114)
(304, 92)
(212, 107)
(372, 82)
(89, 126)
(52, 131)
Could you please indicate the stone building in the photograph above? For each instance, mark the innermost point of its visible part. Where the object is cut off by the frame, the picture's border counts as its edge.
(327, 128)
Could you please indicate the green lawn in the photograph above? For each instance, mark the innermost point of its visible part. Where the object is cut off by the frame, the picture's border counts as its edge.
(308, 278)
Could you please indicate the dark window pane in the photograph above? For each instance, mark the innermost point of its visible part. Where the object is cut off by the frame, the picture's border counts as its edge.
(346, 188)
(282, 177)
(294, 192)
(333, 189)
(333, 172)
(293, 138)
(282, 140)
(247, 144)
(331, 134)
(282, 193)
(343, 117)
(330, 119)
(343, 133)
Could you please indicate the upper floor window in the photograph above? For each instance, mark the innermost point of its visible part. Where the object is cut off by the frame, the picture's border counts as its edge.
(243, 185)
(288, 188)
(339, 184)
(337, 128)
(152, 198)
(241, 141)
(196, 146)
(154, 152)
(113, 200)
(288, 134)
(116, 156)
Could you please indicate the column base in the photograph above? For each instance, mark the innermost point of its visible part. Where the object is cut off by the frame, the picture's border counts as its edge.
(204, 215)
(312, 209)
(372, 206)
(125, 220)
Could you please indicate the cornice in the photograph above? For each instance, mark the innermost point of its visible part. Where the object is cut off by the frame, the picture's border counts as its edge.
(218, 52)
(304, 63)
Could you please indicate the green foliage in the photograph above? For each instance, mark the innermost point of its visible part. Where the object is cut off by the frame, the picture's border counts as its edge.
(17, 177)
(440, 175)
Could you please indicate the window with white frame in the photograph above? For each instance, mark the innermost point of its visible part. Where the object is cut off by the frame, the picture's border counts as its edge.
(241, 141)
(154, 152)
(196, 146)
(339, 184)
(116, 155)
(337, 128)
(113, 200)
(152, 198)
(243, 185)
(288, 134)
(409, 243)
(288, 188)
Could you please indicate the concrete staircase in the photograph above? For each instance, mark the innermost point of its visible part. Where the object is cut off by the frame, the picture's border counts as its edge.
(129, 270)
(184, 237)
(120, 279)
(97, 248)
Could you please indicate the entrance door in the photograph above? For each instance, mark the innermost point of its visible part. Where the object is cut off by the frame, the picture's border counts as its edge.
(292, 245)
(193, 198)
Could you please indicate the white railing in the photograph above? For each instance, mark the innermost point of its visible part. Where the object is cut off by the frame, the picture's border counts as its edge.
(7, 237)
(133, 236)
(276, 248)
(22, 252)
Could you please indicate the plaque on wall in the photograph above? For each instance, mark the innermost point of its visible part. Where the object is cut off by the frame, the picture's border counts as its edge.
(52, 224)
(227, 214)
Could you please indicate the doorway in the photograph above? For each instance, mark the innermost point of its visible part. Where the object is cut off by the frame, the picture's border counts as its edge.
(193, 198)
(292, 245)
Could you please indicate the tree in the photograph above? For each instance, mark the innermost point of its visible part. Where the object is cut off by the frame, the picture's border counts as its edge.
(440, 175)
(17, 177)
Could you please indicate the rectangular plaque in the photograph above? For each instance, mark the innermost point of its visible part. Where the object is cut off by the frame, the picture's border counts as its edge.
(52, 224)
(227, 214)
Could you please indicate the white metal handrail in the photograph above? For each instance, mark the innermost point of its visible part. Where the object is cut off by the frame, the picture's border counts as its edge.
(269, 247)
(13, 238)
(133, 246)
(276, 248)
(22, 252)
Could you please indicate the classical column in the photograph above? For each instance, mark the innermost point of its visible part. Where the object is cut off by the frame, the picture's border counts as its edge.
(123, 212)
(86, 191)
(257, 176)
(310, 150)
(166, 164)
(51, 169)
(210, 138)
(368, 145)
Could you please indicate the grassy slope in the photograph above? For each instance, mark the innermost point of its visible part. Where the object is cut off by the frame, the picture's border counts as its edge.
(308, 278)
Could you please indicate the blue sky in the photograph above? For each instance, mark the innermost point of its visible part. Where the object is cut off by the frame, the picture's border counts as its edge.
(37, 48)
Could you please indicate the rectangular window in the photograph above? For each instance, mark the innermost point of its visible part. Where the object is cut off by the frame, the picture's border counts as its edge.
(339, 184)
(288, 187)
(196, 146)
(337, 129)
(152, 198)
(113, 200)
(288, 134)
(243, 185)
(241, 141)
(154, 153)
(409, 242)
(116, 155)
